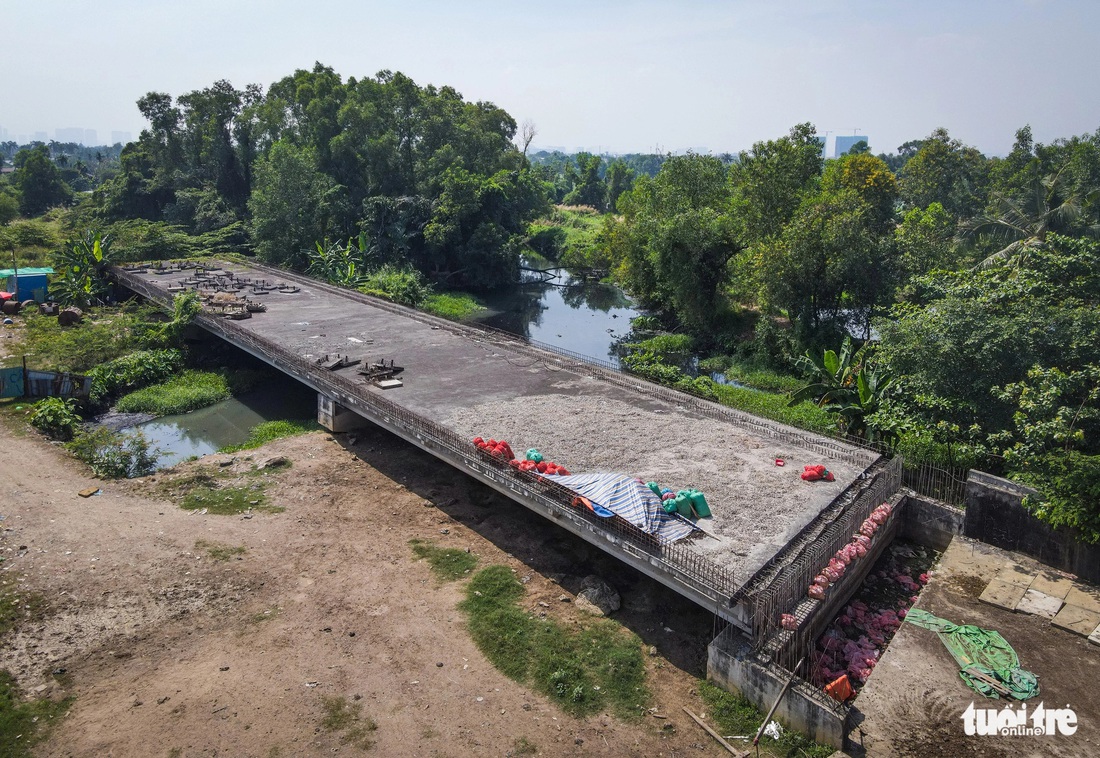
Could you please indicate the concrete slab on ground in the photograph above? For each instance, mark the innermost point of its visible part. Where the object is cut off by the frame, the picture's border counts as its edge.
(1052, 583)
(1084, 596)
(1039, 604)
(1000, 593)
(1017, 574)
(1077, 620)
(1094, 638)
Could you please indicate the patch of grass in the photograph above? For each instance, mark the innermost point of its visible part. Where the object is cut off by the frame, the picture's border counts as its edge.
(228, 501)
(261, 434)
(736, 715)
(523, 746)
(342, 716)
(189, 391)
(597, 666)
(24, 723)
(447, 563)
(453, 305)
(804, 415)
(108, 334)
(751, 376)
(219, 551)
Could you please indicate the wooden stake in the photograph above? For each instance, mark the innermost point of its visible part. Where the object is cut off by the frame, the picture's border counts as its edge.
(715, 735)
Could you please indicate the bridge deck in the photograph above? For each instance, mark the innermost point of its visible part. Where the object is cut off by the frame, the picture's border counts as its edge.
(476, 382)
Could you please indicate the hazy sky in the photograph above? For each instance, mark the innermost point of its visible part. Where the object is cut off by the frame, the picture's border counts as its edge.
(622, 76)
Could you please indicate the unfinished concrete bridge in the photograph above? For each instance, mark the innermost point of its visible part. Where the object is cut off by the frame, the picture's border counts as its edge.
(771, 532)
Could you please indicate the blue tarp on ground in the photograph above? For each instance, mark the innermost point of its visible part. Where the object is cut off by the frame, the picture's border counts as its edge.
(633, 501)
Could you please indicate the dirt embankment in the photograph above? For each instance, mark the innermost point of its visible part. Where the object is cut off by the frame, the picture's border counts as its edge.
(170, 651)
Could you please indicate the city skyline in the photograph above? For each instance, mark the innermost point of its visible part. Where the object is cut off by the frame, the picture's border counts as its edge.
(627, 76)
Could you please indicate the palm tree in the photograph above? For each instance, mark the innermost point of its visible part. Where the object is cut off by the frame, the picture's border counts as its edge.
(1025, 223)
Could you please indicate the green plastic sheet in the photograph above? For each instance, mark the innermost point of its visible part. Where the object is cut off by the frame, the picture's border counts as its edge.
(987, 663)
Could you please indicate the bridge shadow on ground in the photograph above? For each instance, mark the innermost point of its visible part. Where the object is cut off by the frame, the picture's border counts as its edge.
(679, 629)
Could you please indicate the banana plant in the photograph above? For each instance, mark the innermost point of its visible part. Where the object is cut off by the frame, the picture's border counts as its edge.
(845, 383)
(81, 266)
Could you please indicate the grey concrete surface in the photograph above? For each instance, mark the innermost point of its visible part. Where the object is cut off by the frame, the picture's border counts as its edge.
(475, 384)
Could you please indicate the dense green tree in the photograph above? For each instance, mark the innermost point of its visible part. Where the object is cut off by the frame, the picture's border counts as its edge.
(588, 186)
(290, 205)
(771, 180)
(947, 172)
(620, 178)
(926, 241)
(973, 331)
(39, 182)
(678, 237)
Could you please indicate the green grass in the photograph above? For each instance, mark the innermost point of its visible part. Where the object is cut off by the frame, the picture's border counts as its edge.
(342, 716)
(751, 376)
(24, 723)
(447, 563)
(736, 715)
(108, 334)
(219, 551)
(584, 670)
(228, 501)
(263, 433)
(453, 305)
(804, 415)
(189, 391)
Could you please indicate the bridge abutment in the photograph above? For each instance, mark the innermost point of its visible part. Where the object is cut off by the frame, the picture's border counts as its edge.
(335, 417)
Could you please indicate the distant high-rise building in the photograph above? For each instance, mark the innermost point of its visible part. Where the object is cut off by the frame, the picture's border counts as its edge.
(40, 137)
(120, 137)
(844, 144)
(71, 134)
(90, 137)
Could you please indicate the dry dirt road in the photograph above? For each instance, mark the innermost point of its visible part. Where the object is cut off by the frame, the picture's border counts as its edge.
(169, 652)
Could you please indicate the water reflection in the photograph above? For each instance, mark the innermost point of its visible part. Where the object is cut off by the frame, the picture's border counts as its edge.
(207, 430)
(556, 308)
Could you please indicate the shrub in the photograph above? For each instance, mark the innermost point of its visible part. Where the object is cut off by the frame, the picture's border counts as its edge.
(451, 305)
(131, 372)
(113, 455)
(56, 418)
(401, 285)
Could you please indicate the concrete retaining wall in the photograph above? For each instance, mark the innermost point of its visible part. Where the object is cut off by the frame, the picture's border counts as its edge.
(995, 514)
(732, 665)
(930, 522)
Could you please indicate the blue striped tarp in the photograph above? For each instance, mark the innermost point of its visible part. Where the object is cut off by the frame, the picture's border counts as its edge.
(627, 497)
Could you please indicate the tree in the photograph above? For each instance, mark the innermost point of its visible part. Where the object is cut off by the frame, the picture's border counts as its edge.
(290, 205)
(926, 241)
(947, 172)
(527, 134)
(1051, 205)
(678, 237)
(849, 384)
(771, 180)
(39, 182)
(588, 188)
(620, 178)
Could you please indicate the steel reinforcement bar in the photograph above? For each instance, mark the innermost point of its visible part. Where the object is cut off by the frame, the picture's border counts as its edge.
(788, 585)
(707, 578)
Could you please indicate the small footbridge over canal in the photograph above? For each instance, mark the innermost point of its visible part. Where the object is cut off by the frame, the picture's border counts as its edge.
(752, 561)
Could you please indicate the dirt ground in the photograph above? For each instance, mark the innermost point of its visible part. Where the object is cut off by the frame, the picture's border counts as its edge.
(914, 702)
(169, 652)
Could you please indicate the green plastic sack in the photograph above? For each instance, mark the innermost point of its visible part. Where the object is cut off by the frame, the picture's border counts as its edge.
(669, 506)
(699, 503)
(655, 487)
(683, 505)
(534, 455)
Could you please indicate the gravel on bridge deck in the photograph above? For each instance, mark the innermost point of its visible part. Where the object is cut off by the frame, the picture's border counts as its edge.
(472, 383)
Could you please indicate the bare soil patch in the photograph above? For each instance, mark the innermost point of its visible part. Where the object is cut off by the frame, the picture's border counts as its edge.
(191, 634)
